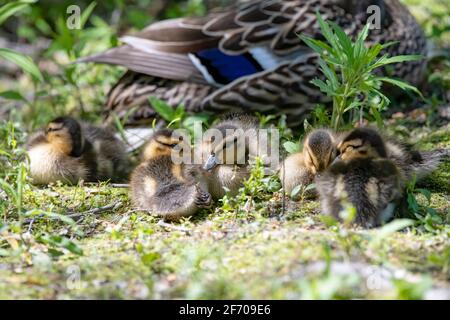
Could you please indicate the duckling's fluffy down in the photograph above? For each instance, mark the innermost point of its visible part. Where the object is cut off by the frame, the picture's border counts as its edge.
(166, 190)
(372, 186)
(103, 158)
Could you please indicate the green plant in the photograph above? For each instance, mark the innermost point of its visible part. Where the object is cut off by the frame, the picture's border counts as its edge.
(173, 116)
(255, 190)
(348, 68)
(21, 60)
(428, 217)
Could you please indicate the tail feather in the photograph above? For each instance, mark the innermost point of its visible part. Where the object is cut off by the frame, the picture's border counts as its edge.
(430, 161)
(164, 65)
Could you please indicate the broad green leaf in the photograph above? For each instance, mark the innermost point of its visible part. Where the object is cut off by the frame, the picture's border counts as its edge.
(295, 192)
(325, 88)
(11, 8)
(291, 147)
(60, 242)
(192, 119)
(12, 95)
(23, 61)
(162, 108)
(180, 112)
(344, 40)
(173, 122)
(310, 186)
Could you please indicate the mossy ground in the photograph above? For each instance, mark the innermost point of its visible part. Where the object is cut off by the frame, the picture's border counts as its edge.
(221, 254)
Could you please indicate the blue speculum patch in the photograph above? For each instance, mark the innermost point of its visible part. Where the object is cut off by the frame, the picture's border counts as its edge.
(225, 68)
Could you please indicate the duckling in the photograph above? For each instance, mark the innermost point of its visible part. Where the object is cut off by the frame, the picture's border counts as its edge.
(163, 187)
(228, 153)
(69, 151)
(319, 151)
(364, 177)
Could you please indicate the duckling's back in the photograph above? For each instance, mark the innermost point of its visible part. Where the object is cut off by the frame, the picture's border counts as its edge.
(166, 189)
(372, 186)
(111, 157)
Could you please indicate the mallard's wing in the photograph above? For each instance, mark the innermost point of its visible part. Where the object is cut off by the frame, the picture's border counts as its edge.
(286, 89)
(181, 49)
(129, 98)
(248, 56)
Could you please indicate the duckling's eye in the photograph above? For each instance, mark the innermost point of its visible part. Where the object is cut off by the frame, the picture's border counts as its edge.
(363, 152)
(173, 145)
(52, 129)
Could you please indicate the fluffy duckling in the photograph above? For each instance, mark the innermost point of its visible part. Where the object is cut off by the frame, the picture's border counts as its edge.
(69, 151)
(363, 177)
(227, 153)
(161, 186)
(299, 169)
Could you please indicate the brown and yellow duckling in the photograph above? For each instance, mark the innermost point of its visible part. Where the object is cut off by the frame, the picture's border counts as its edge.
(163, 187)
(69, 151)
(299, 169)
(227, 154)
(364, 177)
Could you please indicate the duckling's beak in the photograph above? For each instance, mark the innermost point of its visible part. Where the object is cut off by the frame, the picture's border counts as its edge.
(338, 158)
(211, 162)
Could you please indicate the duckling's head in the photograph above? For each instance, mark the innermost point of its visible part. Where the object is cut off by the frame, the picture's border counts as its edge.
(162, 143)
(65, 135)
(362, 143)
(229, 148)
(319, 150)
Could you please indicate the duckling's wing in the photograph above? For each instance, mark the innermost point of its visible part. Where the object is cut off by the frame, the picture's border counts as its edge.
(36, 138)
(175, 200)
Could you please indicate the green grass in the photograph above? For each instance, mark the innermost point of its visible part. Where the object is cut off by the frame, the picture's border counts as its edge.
(230, 252)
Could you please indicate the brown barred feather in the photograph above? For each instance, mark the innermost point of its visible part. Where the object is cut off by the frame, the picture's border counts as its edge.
(159, 65)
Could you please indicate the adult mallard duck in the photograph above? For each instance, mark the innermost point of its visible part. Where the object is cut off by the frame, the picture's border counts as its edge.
(247, 57)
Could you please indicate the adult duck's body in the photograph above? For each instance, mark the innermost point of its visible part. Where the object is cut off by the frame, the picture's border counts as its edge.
(247, 57)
